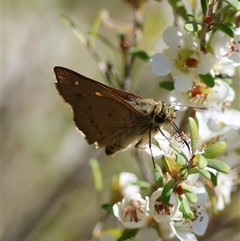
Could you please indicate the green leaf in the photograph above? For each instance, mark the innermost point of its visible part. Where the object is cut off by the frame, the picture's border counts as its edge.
(189, 193)
(224, 28)
(142, 184)
(228, 81)
(202, 161)
(179, 8)
(207, 79)
(193, 17)
(128, 235)
(218, 165)
(184, 172)
(213, 178)
(204, 6)
(97, 21)
(175, 147)
(167, 191)
(203, 172)
(180, 160)
(108, 207)
(215, 150)
(97, 175)
(192, 26)
(167, 85)
(139, 53)
(193, 128)
(76, 30)
(158, 176)
(104, 40)
(185, 209)
(234, 3)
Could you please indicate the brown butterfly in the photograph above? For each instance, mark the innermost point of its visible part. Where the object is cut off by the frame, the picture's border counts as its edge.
(109, 117)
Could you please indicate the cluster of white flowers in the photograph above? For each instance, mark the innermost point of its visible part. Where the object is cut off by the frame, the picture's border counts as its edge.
(186, 61)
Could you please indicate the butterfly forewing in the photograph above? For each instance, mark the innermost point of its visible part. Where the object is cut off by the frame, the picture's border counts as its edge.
(104, 114)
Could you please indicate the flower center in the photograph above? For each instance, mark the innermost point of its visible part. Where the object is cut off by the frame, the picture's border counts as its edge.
(186, 60)
(160, 209)
(198, 93)
(134, 211)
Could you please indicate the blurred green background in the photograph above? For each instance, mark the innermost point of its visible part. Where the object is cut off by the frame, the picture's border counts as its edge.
(47, 186)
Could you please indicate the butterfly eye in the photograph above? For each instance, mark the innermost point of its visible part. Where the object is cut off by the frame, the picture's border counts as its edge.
(160, 118)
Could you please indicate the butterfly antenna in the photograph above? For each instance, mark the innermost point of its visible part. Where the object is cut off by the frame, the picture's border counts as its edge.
(180, 134)
(150, 147)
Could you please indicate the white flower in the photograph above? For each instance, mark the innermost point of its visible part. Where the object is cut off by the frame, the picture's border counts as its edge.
(162, 213)
(225, 185)
(214, 121)
(123, 182)
(132, 211)
(185, 228)
(201, 95)
(225, 48)
(183, 59)
(200, 222)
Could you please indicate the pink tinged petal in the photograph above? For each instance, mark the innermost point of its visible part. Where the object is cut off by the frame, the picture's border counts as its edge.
(173, 37)
(199, 226)
(161, 64)
(183, 82)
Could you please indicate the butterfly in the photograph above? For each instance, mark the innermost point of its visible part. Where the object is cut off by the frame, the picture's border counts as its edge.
(109, 117)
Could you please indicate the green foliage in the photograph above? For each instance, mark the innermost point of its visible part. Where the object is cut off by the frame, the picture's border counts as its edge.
(97, 175)
(167, 191)
(128, 235)
(224, 28)
(158, 176)
(193, 128)
(139, 53)
(214, 150)
(167, 85)
(189, 193)
(108, 207)
(207, 79)
(204, 6)
(218, 165)
(193, 26)
(179, 8)
(185, 209)
(202, 161)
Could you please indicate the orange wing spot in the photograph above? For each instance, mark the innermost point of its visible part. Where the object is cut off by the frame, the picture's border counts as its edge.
(76, 82)
(98, 94)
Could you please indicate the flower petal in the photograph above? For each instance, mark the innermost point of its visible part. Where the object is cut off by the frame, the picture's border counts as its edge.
(161, 64)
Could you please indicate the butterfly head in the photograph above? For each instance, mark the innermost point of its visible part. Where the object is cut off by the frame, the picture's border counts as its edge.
(164, 113)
